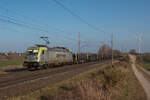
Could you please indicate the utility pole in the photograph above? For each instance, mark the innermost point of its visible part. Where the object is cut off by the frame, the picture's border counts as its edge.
(79, 43)
(112, 46)
(139, 40)
(139, 43)
(78, 54)
(97, 55)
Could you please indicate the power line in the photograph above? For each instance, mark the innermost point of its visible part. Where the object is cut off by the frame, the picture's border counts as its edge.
(17, 13)
(76, 15)
(20, 24)
(24, 24)
(61, 42)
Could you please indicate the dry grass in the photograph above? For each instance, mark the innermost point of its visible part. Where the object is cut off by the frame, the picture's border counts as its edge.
(87, 90)
(103, 83)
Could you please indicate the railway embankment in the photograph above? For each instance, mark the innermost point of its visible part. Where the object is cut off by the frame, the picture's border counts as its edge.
(99, 83)
(22, 82)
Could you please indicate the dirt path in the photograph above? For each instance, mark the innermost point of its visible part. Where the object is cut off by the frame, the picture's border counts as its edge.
(144, 82)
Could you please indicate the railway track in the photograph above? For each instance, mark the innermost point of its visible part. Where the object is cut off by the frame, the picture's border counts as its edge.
(22, 82)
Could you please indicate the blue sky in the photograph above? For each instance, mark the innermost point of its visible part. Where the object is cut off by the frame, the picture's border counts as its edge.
(126, 18)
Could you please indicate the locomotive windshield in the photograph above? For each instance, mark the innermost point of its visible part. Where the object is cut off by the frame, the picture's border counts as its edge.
(32, 52)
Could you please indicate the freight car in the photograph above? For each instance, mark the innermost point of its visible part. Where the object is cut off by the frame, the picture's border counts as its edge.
(85, 57)
(43, 56)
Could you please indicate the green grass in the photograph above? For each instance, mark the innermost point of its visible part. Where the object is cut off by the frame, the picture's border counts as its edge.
(144, 61)
(6, 62)
(146, 65)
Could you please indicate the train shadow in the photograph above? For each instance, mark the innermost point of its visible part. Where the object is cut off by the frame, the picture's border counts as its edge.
(29, 69)
(36, 69)
(15, 70)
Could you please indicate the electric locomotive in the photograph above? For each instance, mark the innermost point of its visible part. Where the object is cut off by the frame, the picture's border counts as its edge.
(43, 56)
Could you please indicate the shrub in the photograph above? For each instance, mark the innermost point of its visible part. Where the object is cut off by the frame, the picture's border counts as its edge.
(146, 57)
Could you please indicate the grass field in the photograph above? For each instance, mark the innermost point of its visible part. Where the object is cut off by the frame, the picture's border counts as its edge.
(144, 61)
(9, 62)
(146, 65)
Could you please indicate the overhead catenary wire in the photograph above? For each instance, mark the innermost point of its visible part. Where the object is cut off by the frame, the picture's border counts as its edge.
(76, 15)
(33, 20)
(19, 14)
(33, 26)
(25, 25)
(29, 27)
(21, 24)
(56, 43)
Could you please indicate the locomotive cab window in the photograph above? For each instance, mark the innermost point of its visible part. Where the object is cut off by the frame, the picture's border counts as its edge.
(43, 52)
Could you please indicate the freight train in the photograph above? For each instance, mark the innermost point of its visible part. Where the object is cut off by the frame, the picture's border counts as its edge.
(43, 56)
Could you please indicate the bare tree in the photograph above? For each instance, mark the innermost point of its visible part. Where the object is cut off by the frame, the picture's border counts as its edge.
(104, 51)
(132, 51)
